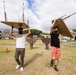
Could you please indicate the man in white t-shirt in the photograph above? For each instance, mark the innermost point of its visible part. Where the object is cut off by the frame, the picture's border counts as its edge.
(20, 46)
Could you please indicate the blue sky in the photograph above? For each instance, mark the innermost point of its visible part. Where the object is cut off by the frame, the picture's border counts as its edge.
(32, 7)
(30, 4)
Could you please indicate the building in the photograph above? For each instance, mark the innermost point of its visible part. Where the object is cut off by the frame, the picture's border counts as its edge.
(5, 35)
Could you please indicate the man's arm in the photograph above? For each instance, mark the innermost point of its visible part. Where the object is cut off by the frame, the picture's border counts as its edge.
(51, 28)
(60, 38)
(29, 32)
(11, 31)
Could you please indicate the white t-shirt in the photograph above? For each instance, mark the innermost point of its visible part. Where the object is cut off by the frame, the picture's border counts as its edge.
(20, 40)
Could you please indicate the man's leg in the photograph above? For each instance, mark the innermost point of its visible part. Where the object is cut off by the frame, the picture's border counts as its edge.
(57, 58)
(31, 45)
(53, 56)
(17, 52)
(56, 63)
(47, 46)
(22, 54)
(52, 62)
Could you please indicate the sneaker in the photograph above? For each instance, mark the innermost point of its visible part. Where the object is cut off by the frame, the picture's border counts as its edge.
(21, 69)
(56, 69)
(18, 66)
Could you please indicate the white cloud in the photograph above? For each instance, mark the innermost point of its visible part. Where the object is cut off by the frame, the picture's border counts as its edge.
(51, 9)
(42, 14)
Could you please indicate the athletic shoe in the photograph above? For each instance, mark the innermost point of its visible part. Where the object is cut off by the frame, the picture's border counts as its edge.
(21, 69)
(18, 66)
(56, 69)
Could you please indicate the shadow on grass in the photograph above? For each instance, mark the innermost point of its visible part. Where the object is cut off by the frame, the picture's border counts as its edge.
(33, 59)
(36, 47)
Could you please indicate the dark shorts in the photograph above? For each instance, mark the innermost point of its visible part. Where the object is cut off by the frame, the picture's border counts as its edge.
(19, 51)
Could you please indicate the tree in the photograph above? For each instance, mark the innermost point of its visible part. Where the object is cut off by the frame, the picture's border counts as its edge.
(45, 33)
(74, 30)
(33, 32)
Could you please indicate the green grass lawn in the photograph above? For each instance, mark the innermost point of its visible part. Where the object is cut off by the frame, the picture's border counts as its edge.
(7, 42)
(37, 60)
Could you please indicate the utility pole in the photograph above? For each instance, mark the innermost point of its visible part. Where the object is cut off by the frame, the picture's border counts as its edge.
(23, 14)
(5, 16)
(28, 19)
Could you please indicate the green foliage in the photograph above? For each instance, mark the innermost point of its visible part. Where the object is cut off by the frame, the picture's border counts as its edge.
(33, 31)
(74, 30)
(45, 33)
(25, 31)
